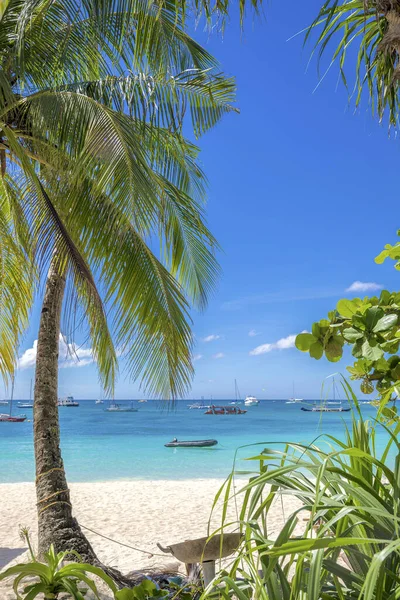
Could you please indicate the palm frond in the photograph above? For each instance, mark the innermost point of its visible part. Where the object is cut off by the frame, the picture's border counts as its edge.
(364, 26)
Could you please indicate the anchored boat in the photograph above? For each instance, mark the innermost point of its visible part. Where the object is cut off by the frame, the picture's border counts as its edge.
(191, 443)
(251, 401)
(114, 407)
(9, 418)
(323, 407)
(69, 401)
(225, 410)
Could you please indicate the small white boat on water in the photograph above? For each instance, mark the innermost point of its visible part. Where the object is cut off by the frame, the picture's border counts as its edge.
(251, 401)
(67, 402)
(3, 402)
(114, 407)
(99, 401)
(293, 399)
(198, 406)
(27, 404)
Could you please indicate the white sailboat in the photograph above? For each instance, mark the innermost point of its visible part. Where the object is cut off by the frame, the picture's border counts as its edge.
(237, 395)
(293, 399)
(27, 404)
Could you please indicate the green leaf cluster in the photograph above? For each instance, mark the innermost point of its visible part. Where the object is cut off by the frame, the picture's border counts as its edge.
(361, 32)
(371, 327)
(323, 339)
(146, 590)
(53, 577)
(97, 176)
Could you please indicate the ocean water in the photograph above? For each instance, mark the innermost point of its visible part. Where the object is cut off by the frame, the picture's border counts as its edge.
(99, 446)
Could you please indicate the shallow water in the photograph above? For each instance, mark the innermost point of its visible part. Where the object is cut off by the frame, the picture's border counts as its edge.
(100, 446)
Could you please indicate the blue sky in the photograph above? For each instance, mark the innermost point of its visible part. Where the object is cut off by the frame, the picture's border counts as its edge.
(302, 196)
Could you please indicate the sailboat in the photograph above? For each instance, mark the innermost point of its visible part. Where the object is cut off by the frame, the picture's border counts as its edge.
(323, 406)
(27, 404)
(293, 399)
(237, 395)
(8, 418)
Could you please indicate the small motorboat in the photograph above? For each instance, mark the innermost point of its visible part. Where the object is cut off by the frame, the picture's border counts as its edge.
(99, 401)
(3, 402)
(251, 401)
(225, 410)
(114, 407)
(325, 409)
(191, 443)
(25, 405)
(68, 402)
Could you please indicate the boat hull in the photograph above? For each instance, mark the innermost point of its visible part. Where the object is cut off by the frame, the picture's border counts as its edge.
(192, 444)
(8, 419)
(119, 410)
(325, 410)
(225, 410)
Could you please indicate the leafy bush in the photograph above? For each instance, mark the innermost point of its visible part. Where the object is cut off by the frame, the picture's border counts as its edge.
(371, 327)
(54, 578)
(350, 547)
(146, 590)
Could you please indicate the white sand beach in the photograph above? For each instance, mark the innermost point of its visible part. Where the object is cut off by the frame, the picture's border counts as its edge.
(139, 513)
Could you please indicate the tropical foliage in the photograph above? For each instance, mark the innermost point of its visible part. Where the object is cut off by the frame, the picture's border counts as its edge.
(347, 494)
(366, 33)
(371, 327)
(52, 577)
(94, 165)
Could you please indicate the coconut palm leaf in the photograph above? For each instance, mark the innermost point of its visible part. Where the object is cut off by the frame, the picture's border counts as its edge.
(370, 28)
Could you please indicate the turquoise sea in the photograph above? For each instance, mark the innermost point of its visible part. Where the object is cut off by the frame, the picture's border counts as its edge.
(100, 446)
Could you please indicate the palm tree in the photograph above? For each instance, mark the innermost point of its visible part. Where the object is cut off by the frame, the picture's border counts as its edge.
(372, 27)
(94, 169)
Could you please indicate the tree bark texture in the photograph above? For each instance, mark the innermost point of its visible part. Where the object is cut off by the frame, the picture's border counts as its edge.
(56, 523)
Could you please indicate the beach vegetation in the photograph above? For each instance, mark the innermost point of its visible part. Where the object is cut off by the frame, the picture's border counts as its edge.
(54, 576)
(370, 326)
(342, 541)
(366, 34)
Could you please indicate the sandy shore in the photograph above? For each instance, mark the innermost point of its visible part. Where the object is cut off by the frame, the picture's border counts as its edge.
(137, 513)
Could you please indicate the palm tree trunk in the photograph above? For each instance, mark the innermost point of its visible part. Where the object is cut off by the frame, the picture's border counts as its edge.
(56, 523)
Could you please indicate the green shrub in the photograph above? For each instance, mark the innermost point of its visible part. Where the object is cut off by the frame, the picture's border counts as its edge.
(350, 547)
(53, 578)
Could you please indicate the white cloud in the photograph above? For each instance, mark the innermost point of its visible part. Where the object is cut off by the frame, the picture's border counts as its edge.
(360, 286)
(282, 344)
(70, 355)
(211, 338)
(219, 355)
(197, 357)
(253, 333)
(28, 359)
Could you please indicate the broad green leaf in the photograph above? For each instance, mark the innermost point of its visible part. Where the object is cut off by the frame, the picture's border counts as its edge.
(371, 352)
(304, 341)
(395, 373)
(316, 350)
(352, 335)
(347, 308)
(334, 348)
(373, 316)
(385, 323)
